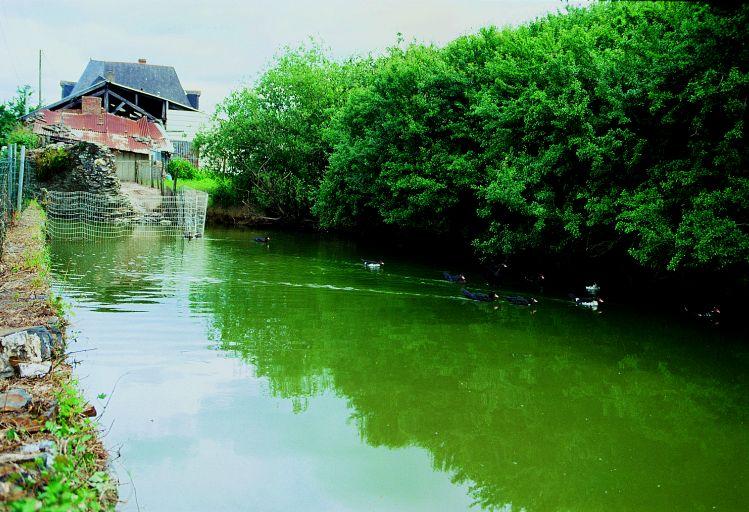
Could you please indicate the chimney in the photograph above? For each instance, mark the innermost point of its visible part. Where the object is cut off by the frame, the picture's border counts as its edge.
(66, 88)
(194, 98)
(141, 61)
(91, 105)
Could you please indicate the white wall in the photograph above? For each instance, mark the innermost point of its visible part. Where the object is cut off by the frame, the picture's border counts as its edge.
(183, 124)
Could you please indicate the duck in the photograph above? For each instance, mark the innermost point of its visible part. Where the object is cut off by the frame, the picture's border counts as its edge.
(593, 289)
(588, 301)
(519, 300)
(373, 265)
(454, 278)
(481, 297)
(709, 313)
(262, 239)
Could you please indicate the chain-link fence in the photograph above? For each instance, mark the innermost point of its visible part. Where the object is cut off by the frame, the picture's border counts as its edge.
(16, 179)
(87, 216)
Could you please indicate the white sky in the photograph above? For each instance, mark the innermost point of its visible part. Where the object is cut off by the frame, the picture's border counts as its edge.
(218, 45)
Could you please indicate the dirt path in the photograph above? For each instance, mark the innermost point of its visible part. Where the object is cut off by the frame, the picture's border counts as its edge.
(51, 457)
(24, 294)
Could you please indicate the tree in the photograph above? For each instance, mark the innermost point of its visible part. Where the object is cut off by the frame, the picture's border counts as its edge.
(270, 136)
(12, 110)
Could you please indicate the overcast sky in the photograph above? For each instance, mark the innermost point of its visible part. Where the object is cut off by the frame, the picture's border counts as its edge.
(218, 45)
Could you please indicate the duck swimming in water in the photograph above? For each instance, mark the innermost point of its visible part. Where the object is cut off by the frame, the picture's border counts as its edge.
(481, 297)
(709, 313)
(593, 289)
(373, 265)
(454, 278)
(519, 300)
(591, 302)
(262, 239)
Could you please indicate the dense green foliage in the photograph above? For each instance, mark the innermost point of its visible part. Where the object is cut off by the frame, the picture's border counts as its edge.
(11, 130)
(50, 162)
(270, 137)
(614, 131)
(184, 169)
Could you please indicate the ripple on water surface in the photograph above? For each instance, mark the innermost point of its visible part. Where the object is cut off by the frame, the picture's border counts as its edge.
(288, 377)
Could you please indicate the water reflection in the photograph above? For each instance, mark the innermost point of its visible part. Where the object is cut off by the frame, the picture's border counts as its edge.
(553, 410)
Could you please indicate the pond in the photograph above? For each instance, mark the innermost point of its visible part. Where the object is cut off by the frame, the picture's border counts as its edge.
(244, 376)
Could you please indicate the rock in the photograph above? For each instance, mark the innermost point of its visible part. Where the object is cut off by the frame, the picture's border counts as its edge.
(91, 169)
(42, 446)
(33, 345)
(24, 346)
(14, 399)
(6, 369)
(44, 450)
(50, 339)
(34, 369)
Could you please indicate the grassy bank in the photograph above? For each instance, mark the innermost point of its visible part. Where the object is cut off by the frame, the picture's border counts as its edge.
(74, 476)
(207, 184)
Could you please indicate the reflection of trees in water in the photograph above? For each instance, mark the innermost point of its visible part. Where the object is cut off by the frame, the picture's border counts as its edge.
(537, 411)
(547, 412)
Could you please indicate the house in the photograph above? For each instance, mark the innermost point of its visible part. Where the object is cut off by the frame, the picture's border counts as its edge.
(135, 143)
(135, 90)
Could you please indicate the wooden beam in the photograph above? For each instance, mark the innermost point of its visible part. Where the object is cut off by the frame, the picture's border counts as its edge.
(122, 104)
(66, 105)
(133, 106)
(106, 101)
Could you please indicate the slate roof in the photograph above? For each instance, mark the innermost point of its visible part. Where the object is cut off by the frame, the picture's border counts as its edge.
(160, 81)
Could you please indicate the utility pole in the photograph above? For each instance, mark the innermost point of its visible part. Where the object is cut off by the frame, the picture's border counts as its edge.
(40, 77)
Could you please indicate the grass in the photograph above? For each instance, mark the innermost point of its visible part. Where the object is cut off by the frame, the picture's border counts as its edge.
(207, 184)
(219, 189)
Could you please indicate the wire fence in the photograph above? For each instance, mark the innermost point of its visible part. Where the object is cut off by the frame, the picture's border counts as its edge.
(87, 216)
(16, 180)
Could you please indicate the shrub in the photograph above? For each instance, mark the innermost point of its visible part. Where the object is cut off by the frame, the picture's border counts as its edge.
(184, 170)
(225, 194)
(23, 137)
(51, 162)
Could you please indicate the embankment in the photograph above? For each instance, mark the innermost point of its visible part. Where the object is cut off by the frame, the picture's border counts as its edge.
(51, 457)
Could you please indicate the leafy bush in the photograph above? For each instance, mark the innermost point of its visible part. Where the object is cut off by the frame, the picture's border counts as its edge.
(11, 111)
(23, 137)
(269, 138)
(183, 169)
(51, 162)
(224, 193)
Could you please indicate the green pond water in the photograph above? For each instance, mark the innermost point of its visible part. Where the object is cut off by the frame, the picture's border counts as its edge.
(290, 378)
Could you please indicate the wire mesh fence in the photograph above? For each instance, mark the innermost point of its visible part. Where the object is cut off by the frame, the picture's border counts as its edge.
(16, 180)
(87, 216)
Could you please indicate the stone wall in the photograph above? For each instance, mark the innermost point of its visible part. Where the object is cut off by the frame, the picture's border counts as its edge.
(91, 168)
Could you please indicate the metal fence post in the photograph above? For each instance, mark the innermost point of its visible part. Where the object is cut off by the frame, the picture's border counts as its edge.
(21, 168)
(11, 175)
